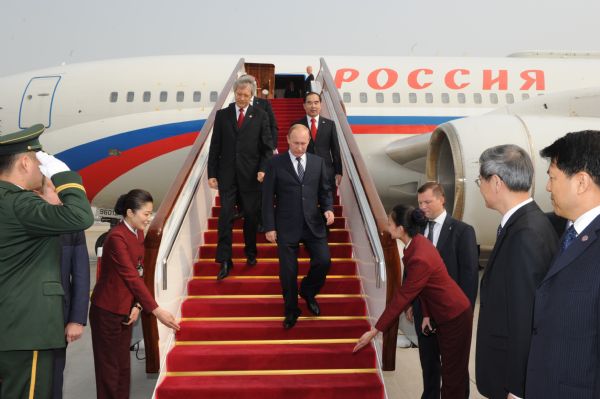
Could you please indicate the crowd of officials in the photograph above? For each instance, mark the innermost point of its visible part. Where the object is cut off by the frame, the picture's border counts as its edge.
(539, 317)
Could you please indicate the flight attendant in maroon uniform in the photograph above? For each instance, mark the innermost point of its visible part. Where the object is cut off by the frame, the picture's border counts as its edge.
(120, 295)
(441, 298)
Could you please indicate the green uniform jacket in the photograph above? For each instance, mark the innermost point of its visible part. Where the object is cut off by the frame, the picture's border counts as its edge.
(31, 293)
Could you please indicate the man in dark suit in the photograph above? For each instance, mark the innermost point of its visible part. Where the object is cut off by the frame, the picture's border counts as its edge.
(564, 358)
(240, 146)
(519, 261)
(265, 105)
(308, 80)
(456, 243)
(75, 277)
(297, 183)
(323, 137)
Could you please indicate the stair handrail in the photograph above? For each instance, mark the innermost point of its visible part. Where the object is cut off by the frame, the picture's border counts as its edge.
(157, 227)
(384, 246)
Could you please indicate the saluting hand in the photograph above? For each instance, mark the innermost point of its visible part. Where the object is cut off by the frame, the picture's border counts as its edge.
(165, 317)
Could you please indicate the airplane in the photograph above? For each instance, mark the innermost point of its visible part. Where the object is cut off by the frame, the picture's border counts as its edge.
(130, 122)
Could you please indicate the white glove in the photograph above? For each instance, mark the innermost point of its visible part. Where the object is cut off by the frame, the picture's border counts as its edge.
(49, 165)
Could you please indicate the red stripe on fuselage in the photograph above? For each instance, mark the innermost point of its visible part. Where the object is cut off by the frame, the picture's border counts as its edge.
(98, 175)
(392, 129)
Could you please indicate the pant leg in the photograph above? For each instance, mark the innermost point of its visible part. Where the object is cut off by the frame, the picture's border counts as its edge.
(60, 357)
(110, 343)
(288, 275)
(251, 206)
(429, 355)
(320, 262)
(26, 374)
(228, 200)
(454, 338)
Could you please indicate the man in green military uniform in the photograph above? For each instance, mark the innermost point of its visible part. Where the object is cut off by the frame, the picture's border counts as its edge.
(31, 293)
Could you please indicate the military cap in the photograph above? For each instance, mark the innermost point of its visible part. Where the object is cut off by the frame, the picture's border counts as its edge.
(21, 141)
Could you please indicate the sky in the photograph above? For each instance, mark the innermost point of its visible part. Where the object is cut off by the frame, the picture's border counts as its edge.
(41, 33)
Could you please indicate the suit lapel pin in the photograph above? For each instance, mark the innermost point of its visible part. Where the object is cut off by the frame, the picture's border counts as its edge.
(250, 116)
(584, 238)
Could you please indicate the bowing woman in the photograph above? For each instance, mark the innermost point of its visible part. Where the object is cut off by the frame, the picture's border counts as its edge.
(120, 295)
(441, 298)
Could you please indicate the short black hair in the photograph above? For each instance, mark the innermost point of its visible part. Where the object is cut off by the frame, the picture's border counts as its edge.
(576, 152)
(134, 200)
(410, 218)
(310, 93)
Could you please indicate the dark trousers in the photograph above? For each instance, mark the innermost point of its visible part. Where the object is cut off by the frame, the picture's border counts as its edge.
(429, 354)
(250, 203)
(454, 339)
(110, 342)
(60, 358)
(17, 369)
(320, 261)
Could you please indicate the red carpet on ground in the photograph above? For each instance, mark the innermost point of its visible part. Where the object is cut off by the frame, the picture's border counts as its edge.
(232, 343)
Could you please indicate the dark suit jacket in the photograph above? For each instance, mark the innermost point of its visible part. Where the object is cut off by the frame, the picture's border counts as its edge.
(307, 82)
(326, 145)
(458, 247)
(426, 277)
(237, 155)
(119, 284)
(265, 105)
(564, 359)
(517, 264)
(296, 202)
(75, 276)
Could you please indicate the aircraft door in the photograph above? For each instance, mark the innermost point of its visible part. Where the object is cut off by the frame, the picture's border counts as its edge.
(36, 104)
(265, 77)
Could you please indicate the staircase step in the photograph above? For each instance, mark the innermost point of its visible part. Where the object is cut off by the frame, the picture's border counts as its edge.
(266, 286)
(338, 223)
(270, 330)
(336, 200)
(366, 385)
(268, 306)
(335, 235)
(337, 210)
(337, 250)
(269, 267)
(269, 357)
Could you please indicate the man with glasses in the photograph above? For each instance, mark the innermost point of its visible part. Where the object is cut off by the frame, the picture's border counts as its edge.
(524, 248)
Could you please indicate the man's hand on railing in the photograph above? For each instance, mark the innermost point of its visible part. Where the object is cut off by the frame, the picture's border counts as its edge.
(338, 179)
(271, 236)
(329, 217)
(212, 183)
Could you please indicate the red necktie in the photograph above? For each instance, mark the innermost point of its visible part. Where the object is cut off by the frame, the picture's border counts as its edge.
(241, 118)
(313, 128)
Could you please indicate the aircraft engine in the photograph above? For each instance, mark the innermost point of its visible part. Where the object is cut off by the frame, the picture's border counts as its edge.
(455, 147)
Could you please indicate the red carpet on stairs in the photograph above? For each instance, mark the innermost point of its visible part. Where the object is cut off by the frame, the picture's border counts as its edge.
(232, 343)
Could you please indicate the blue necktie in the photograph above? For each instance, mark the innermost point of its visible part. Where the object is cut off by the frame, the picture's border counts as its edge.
(430, 231)
(568, 238)
(300, 168)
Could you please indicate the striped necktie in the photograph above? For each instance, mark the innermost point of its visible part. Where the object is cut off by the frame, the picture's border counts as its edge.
(300, 168)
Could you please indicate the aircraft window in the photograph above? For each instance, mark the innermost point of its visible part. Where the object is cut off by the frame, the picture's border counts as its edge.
(163, 96)
(525, 96)
(412, 98)
(347, 97)
(461, 98)
(510, 99)
(197, 96)
(428, 98)
(114, 96)
(180, 96)
(213, 96)
(477, 98)
(130, 95)
(494, 98)
(363, 97)
(379, 97)
(146, 96)
(396, 97)
(445, 98)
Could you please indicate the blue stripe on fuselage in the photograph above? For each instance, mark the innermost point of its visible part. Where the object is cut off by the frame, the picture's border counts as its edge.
(400, 120)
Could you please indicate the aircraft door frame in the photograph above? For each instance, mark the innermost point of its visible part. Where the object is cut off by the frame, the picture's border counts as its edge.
(37, 101)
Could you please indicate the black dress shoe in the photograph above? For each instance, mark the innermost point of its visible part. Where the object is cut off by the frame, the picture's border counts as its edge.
(290, 319)
(251, 261)
(238, 215)
(226, 266)
(312, 305)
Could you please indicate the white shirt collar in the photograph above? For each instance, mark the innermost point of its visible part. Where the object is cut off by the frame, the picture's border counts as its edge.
(512, 210)
(308, 118)
(237, 110)
(293, 158)
(134, 231)
(584, 220)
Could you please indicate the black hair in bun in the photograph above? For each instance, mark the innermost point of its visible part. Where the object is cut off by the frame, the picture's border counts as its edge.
(410, 218)
(134, 200)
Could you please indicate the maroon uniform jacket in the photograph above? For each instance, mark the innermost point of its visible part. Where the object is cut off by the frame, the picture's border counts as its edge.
(427, 278)
(120, 284)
